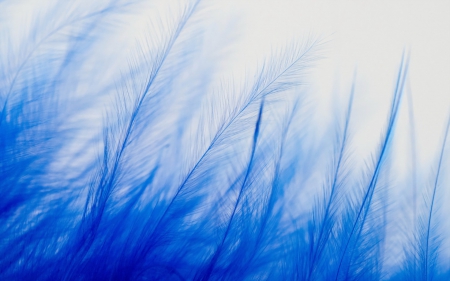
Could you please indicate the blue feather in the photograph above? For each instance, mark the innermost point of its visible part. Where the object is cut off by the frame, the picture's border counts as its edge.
(184, 177)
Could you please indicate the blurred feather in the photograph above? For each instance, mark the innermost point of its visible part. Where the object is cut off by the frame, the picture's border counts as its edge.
(154, 170)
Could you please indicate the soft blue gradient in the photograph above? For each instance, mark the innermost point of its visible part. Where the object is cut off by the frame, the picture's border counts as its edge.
(146, 160)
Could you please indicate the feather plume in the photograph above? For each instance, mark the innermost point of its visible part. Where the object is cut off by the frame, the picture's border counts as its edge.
(149, 163)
